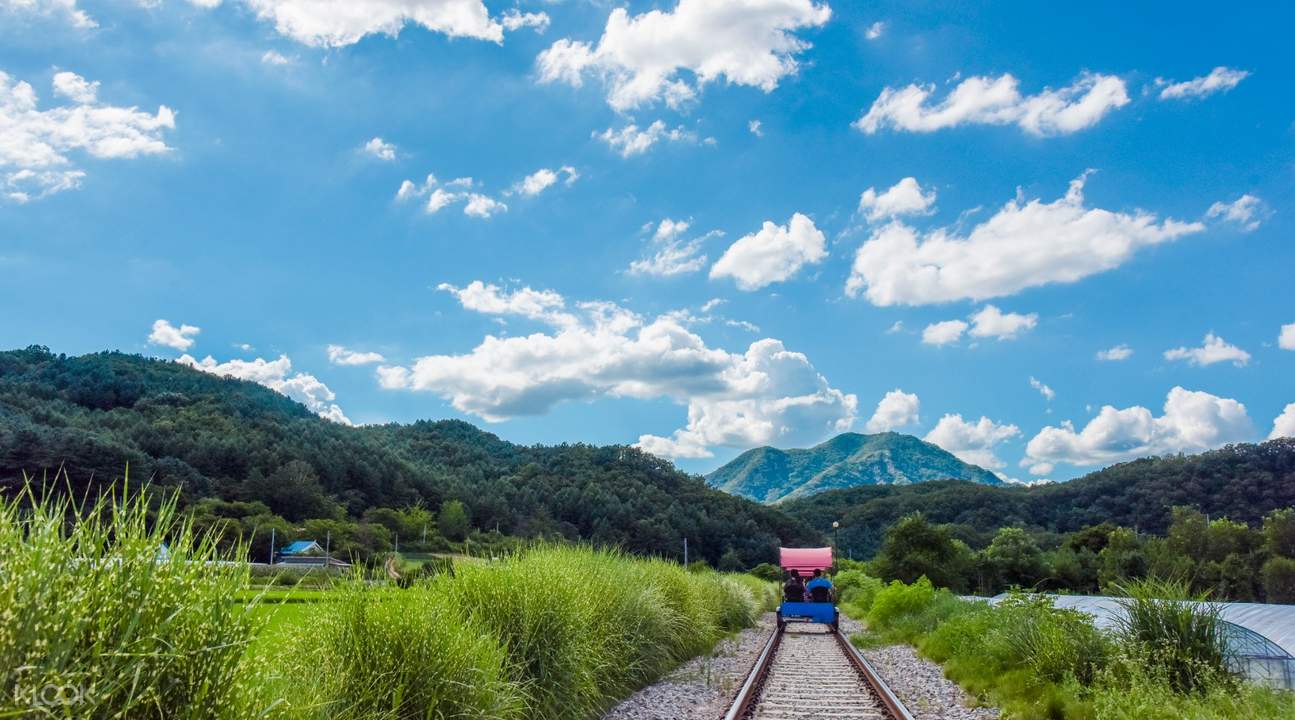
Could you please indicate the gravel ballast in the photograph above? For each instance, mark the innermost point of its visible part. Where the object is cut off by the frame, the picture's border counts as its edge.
(703, 688)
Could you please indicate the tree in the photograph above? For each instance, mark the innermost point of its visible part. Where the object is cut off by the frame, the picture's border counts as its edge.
(1279, 533)
(1279, 580)
(914, 547)
(1122, 559)
(1015, 558)
(453, 520)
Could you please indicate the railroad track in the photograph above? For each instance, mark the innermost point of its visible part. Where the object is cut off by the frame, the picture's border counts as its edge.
(809, 671)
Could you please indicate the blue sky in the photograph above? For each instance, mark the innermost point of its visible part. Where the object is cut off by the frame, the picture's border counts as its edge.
(696, 226)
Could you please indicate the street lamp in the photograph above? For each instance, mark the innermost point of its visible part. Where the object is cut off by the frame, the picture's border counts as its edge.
(836, 525)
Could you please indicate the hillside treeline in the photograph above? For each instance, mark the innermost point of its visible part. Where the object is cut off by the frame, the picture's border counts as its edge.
(242, 454)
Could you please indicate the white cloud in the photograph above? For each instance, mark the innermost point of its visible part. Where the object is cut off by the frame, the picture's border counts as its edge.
(544, 178)
(895, 410)
(339, 355)
(943, 333)
(764, 395)
(1284, 424)
(1192, 421)
(674, 255)
(1115, 354)
(1220, 79)
(1025, 244)
(35, 144)
(1043, 388)
(302, 387)
(66, 9)
(380, 149)
(336, 23)
(972, 442)
(274, 57)
(640, 57)
(897, 326)
(754, 127)
(875, 30)
(439, 197)
(168, 335)
(75, 88)
(1247, 211)
(992, 322)
(773, 254)
(1286, 339)
(903, 198)
(514, 20)
(630, 140)
(1214, 350)
(997, 101)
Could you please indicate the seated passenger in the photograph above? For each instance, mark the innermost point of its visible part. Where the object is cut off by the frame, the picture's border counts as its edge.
(794, 589)
(820, 588)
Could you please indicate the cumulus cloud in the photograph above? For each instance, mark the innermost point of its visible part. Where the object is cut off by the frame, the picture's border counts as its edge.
(35, 145)
(1047, 392)
(773, 254)
(1286, 339)
(1192, 421)
(440, 196)
(895, 410)
(766, 394)
(943, 333)
(1220, 79)
(903, 198)
(274, 57)
(1247, 211)
(875, 30)
(544, 178)
(1115, 354)
(514, 19)
(641, 58)
(1213, 350)
(1025, 244)
(168, 335)
(981, 100)
(380, 149)
(339, 355)
(337, 23)
(63, 9)
(992, 322)
(972, 442)
(630, 140)
(1284, 424)
(274, 374)
(673, 253)
(754, 127)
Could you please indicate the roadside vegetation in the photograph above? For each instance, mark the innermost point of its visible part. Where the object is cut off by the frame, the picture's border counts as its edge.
(1037, 662)
(127, 611)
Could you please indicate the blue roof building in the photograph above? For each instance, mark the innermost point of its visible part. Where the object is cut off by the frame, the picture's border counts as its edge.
(300, 548)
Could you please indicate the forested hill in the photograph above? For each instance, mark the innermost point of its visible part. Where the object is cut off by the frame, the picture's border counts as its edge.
(771, 475)
(215, 437)
(1241, 482)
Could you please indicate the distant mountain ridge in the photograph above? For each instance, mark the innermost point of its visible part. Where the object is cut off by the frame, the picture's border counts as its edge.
(770, 475)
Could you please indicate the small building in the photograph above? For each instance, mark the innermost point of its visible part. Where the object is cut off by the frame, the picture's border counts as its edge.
(309, 554)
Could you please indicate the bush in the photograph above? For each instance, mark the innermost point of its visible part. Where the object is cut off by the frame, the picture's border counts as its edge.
(767, 572)
(856, 590)
(119, 605)
(1173, 636)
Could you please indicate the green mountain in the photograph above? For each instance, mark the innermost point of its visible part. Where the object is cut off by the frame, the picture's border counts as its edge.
(241, 451)
(1241, 482)
(770, 475)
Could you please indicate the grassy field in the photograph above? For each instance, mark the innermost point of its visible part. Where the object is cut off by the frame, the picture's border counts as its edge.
(92, 605)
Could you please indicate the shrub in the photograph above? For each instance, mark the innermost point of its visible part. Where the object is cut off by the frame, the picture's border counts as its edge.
(119, 606)
(767, 572)
(857, 590)
(1169, 634)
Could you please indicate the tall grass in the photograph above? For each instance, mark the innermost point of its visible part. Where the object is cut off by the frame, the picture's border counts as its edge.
(110, 609)
(1172, 635)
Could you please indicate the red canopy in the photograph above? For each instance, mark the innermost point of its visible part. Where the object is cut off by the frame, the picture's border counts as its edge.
(806, 560)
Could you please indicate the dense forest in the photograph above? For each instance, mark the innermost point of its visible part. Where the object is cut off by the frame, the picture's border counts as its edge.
(241, 454)
(1240, 482)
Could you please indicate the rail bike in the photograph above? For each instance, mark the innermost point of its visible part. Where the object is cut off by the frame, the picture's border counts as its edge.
(818, 607)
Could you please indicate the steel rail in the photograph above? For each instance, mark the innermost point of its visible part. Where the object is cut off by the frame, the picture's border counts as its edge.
(748, 698)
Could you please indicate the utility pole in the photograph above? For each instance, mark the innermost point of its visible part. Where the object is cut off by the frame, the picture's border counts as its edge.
(271, 546)
(424, 535)
(328, 545)
(685, 552)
